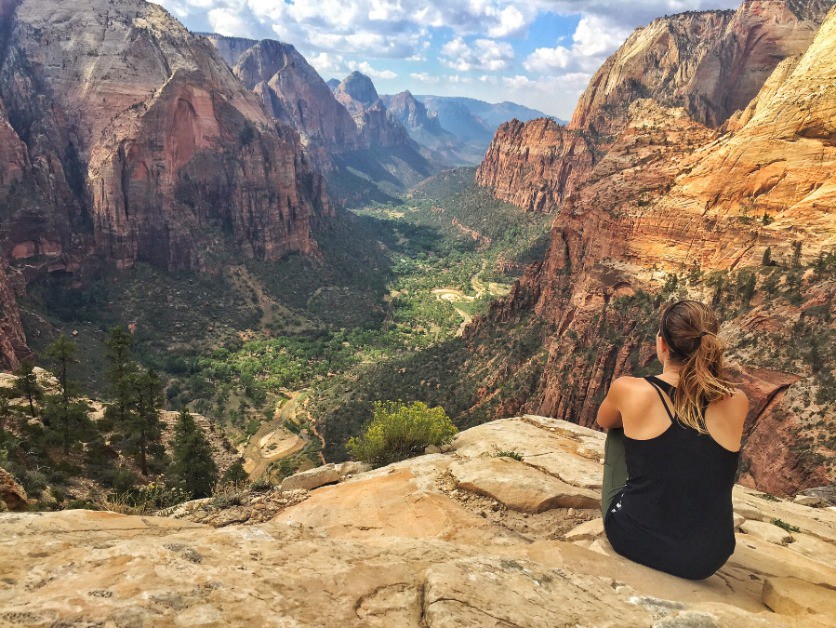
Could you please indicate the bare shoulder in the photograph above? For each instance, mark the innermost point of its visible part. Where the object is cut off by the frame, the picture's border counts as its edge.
(625, 385)
(736, 404)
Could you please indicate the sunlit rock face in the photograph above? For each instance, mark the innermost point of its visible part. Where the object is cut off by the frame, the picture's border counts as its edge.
(674, 180)
(140, 143)
(710, 63)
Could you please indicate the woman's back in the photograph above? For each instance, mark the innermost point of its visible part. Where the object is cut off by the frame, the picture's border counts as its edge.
(672, 450)
(675, 511)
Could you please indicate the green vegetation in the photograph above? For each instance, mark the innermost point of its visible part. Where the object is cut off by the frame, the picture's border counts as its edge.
(192, 468)
(502, 453)
(400, 431)
(786, 526)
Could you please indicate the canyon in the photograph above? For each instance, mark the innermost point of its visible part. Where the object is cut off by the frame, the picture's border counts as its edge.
(662, 175)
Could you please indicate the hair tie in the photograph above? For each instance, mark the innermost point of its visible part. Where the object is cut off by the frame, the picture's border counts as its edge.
(705, 333)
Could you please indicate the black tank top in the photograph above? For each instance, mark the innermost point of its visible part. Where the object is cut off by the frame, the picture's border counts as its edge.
(675, 512)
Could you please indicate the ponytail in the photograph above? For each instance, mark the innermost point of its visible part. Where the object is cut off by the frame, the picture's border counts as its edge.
(690, 330)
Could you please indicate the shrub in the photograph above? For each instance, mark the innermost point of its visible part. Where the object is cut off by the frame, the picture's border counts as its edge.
(400, 430)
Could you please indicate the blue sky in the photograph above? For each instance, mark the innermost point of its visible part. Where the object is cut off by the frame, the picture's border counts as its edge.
(539, 53)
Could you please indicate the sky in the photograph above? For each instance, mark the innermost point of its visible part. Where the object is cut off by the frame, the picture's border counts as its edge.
(539, 53)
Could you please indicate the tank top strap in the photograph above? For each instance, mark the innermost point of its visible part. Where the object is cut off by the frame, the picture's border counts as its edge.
(659, 386)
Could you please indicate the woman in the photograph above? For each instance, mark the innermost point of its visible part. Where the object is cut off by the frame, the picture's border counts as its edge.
(672, 451)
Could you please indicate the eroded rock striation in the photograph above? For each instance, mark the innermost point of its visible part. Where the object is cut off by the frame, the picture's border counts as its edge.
(410, 545)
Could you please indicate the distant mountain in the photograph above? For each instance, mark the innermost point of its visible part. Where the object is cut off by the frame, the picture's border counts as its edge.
(476, 119)
(344, 126)
(458, 129)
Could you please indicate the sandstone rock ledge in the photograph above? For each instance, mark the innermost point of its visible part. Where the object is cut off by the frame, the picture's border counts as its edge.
(440, 540)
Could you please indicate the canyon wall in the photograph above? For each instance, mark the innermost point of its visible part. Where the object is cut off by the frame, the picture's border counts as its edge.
(292, 92)
(668, 197)
(141, 143)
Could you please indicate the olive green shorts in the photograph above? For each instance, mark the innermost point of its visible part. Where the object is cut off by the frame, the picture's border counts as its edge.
(615, 467)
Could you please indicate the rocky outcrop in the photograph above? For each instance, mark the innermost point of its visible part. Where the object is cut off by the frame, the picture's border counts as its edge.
(412, 114)
(671, 196)
(145, 140)
(293, 93)
(12, 495)
(535, 164)
(407, 545)
(355, 92)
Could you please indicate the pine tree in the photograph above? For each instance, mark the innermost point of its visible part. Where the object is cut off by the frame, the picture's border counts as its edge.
(193, 467)
(766, 260)
(121, 370)
(236, 473)
(796, 254)
(144, 416)
(62, 355)
(27, 384)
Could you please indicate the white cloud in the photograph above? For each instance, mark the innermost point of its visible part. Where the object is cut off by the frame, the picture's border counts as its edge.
(485, 54)
(424, 77)
(594, 39)
(328, 63)
(366, 68)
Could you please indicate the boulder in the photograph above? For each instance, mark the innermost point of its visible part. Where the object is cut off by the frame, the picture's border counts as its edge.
(586, 531)
(12, 494)
(313, 478)
(791, 596)
(520, 487)
(807, 500)
(766, 532)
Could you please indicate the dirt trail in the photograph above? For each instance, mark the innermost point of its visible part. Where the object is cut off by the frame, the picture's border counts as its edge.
(273, 441)
(454, 294)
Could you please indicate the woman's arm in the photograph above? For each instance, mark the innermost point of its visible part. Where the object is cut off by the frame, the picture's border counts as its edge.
(609, 415)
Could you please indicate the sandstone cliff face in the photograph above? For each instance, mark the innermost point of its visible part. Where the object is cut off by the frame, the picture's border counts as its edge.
(292, 92)
(710, 63)
(12, 338)
(535, 164)
(670, 195)
(464, 538)
(138, 129)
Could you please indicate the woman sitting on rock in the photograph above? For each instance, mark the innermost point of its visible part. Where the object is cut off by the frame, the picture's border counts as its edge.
(670, 466)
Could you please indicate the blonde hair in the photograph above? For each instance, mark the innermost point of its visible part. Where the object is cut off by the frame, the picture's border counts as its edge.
(690, 329)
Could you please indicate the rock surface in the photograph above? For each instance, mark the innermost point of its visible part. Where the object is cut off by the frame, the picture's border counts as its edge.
(400, 545)
(292, 92)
